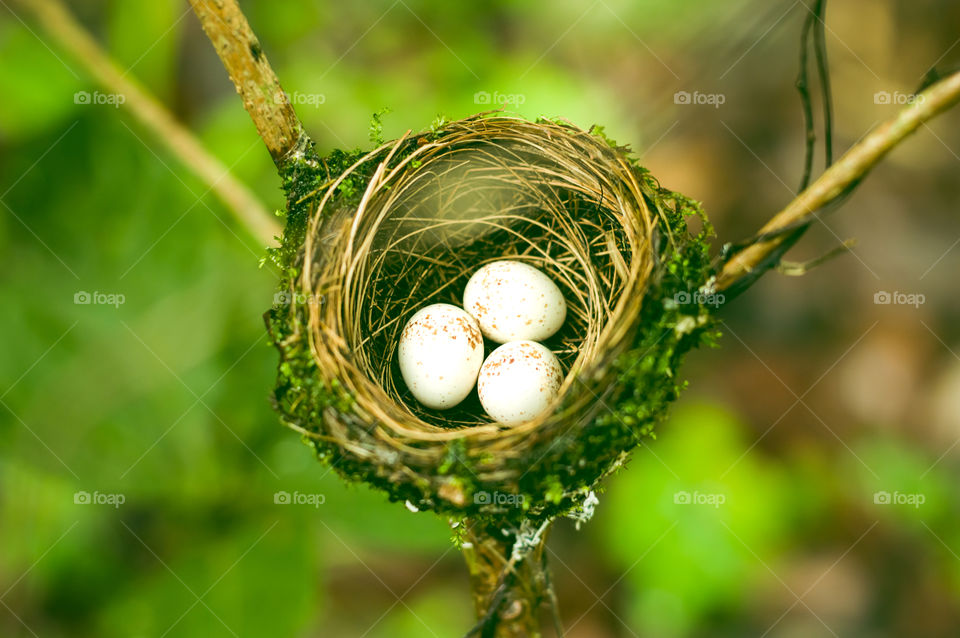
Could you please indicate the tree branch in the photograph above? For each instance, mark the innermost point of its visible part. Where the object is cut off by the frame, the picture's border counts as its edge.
(258, 86)
(507, 596)
(838, 179)
(56, 21)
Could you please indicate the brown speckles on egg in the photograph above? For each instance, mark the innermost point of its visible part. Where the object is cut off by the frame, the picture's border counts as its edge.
(513, 300)
(439, 354)
(518, 381)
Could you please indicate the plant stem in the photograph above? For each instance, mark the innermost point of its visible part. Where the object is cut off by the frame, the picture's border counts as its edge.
(258, 86)
(55, 20)
(507, 597)
(838, 179)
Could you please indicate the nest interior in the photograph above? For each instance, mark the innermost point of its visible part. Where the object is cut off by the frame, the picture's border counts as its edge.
(404, 226)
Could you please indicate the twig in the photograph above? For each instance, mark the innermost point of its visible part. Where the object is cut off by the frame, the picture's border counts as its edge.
(258, 86)
(815, 23)
(839, 178)
(810, 137)
(813, 29)
(823, 70)
(55, 20)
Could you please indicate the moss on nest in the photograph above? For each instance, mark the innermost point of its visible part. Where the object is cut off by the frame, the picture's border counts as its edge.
(616, 393)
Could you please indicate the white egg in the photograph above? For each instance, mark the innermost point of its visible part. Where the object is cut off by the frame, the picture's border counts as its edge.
(440, 354)
(518, 381)
(514, 301)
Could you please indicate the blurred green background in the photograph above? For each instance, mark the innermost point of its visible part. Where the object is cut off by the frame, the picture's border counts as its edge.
(820, 407)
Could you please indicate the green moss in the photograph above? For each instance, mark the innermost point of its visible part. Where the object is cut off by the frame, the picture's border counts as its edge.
(555, 476)
(376, 126)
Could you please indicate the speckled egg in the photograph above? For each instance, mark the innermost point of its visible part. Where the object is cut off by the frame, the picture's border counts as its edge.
(518, 381)
(514, 301)
(440, 354)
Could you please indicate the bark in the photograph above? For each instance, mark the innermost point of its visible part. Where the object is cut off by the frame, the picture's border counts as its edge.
(507, 596)
(251, 73)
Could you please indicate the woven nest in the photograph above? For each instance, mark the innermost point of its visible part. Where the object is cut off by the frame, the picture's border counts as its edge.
(404, 226)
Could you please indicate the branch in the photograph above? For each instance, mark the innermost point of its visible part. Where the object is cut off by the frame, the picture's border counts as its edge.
(838, 179)
(245, 206)
(258, 86)
(507, 594)
(815, 25)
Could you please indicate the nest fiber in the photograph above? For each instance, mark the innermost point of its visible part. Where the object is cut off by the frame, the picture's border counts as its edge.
(388, 232)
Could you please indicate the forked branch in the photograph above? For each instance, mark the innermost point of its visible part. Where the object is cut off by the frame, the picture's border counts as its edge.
(838, 179)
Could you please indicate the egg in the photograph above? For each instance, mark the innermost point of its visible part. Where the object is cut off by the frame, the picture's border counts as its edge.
(514, 301)
(440, 353)
(518, 381)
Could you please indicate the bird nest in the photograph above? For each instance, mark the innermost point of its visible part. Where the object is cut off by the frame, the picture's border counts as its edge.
(388, 232)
